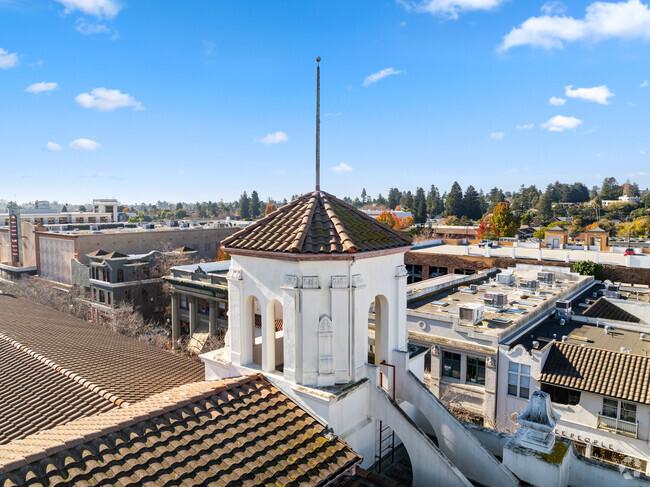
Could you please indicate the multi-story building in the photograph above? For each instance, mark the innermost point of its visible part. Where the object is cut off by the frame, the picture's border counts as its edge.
(464, 319)
(199, 299)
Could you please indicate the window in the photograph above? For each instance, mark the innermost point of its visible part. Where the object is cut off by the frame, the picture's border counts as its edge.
(183, 303)
(475, 371)
(102, 297)
(108, 275)
(613, 408)
(185, 328)
(451, 365)
(109, 297)
(562, 395)
(94, 294)
(202, 306)
(145, 272)
(519, 380)
(223, 310)
(120, 275)
(145, 296)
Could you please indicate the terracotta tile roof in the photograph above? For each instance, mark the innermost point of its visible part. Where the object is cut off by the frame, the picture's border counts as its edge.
(614, 374)
(35, 396)
(227, 433)
(605, 309)
(125, 367)
(316, 223)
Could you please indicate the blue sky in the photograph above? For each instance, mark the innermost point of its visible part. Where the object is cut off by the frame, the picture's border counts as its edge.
(201, 100)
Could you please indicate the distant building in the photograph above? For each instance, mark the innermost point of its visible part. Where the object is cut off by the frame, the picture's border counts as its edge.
(199, 299)
(623, 199)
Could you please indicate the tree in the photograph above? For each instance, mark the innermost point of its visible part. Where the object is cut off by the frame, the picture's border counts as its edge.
(180, 214)
(394, 196)
(255, 205)
(472, 207)
(244, 206)
(64, 208)
(434, 202)
(486, 230)
(454, 201)
(82, 208)
(420, 206)
(610, 189)
(544, 208)
(406, 203)
(386, 218)
(270, 208)
(364, 196)
(589, 268)
(504, 221)
(179, 206)
(380, 200)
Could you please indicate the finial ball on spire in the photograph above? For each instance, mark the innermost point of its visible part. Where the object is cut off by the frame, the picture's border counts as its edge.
(318, 59)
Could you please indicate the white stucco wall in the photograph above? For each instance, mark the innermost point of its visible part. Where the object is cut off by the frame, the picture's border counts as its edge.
(56, 255)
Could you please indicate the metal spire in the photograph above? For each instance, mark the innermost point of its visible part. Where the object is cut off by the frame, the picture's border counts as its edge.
(318, 125)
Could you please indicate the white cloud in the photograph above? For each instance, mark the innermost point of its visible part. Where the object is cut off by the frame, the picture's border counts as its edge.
(87, 28)
(641, 151)
(450, 8)
(560, 123)
(374, 77)
(553, 7)
(53, 146)
(8, 59)
(525, 126)
(84, 144)
(597, 94)
(497, 135)
(41, 87)
(274, 138)
(97, 8)
(343, 167)
(557, 101)
(107, 100)
(603, 20)
(644, 84)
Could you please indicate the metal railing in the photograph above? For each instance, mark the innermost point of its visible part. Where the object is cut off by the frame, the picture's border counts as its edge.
(619, 426)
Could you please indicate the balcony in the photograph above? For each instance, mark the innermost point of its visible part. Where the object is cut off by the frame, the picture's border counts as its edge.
(619, 426)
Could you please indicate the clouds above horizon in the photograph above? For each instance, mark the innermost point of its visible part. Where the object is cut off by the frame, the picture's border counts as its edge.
(84, 144)
(450, 8)
(560, 123)
(597, 94)
(603, 20)
(374, 77)
(53, 147)
(8, 59)
(497, 135)
(341, 168)
(526, 126)
(106, 100)
(106, 9)
(274, 138)
(41, 87)
(557, 101)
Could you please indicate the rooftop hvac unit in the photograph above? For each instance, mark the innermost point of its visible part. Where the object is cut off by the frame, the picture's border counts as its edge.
(505, 279)
(473, 288)
(471, 312)
(498, 300)
(531, 284)
(642, 336)
(563, 304)
(612, 291)
(546, 277)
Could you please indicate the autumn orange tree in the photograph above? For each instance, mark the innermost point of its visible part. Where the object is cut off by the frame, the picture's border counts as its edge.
(270, 208)
(487, 230)
(386, 218)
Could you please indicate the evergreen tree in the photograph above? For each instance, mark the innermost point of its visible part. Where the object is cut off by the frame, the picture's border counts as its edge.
(244, 206)
(394, 196)
(610, 189)
(380, 200)
(434, 202)
(544, 208)
(406, 203)
(364, 196)
(420, 206)
(64, 208)
(454, 201)
(255, 205)
(472, 204)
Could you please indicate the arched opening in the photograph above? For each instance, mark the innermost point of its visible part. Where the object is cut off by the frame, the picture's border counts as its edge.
(378, 330)
(253, 330)
(274, 337)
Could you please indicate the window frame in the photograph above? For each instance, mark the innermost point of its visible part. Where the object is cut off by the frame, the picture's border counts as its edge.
(478, 363)
(518, 372)
(451, 357)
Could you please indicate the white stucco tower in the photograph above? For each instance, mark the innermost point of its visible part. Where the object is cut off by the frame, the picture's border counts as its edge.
(301, 284)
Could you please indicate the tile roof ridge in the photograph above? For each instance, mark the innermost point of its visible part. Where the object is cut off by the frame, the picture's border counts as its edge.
(599, 349)
(35, 447)
(374, 221)
(347, 242)
(305, 224)
(103, 393)
(250, 228)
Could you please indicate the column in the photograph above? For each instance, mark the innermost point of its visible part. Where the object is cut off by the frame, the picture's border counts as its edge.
(192, 314)
(339, 293)
(176, 324)
(213, 318)
(268, 338)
